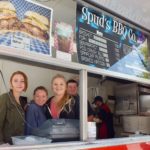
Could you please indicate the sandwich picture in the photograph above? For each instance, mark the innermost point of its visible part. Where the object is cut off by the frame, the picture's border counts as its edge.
(35, 25)
(8, 18)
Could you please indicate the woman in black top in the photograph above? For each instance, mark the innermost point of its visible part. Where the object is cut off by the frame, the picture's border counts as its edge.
(61, 105)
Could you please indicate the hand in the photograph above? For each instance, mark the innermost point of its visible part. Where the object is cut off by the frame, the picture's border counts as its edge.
(97, 120)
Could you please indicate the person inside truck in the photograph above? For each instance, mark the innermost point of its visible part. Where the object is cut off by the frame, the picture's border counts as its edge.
(72, 89)
(35, 113)
(61, 105)
(105, 125)
(11, 111)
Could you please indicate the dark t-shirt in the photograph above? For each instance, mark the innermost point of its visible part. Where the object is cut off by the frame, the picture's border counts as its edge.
(90, 110)
(23, 102)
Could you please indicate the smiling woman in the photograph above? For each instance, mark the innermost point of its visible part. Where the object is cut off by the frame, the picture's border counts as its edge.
(11, 111)
(61, 105)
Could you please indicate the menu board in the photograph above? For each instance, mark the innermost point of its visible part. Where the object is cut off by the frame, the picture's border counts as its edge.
(107, 42)
(25, 25)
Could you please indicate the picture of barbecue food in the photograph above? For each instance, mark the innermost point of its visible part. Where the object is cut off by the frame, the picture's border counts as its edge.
(8, 18)
(36, 25)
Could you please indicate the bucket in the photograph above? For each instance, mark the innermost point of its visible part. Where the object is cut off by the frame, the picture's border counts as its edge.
(91, 131)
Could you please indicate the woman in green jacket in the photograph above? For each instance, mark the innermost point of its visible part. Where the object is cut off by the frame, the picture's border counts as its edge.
(11, 111)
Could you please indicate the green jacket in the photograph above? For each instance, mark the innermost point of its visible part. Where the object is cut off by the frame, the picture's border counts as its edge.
(11, 118)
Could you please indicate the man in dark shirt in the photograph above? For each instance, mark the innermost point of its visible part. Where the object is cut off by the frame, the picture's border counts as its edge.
(72, 89)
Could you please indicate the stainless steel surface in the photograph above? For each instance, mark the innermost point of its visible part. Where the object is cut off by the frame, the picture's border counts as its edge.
(144, 103)
(126, 99)
(81, 145)
(137, 11)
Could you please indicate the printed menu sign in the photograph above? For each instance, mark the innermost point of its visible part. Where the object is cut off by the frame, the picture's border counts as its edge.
(25, 25)
(106, 42)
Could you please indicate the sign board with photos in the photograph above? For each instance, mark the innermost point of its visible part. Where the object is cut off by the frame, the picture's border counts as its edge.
(107, 42)
(25, 25)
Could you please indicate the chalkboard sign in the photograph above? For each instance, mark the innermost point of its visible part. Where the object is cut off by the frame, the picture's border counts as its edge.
(107, 42)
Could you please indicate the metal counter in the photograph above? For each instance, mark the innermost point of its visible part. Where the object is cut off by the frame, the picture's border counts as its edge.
(130, 143)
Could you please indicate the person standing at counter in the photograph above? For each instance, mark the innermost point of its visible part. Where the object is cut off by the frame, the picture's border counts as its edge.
(61, 105)
(11, 111)
(35, 113)
(72, 89)
(105, 127)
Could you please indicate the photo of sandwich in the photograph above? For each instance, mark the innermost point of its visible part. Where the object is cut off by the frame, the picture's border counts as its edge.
(25, 25)
(35, 25)
(8, 18)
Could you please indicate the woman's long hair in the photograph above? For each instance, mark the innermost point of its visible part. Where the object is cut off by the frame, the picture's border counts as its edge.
(67, 101)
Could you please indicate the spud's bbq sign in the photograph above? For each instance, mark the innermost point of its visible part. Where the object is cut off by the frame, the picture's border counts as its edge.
(109, 24)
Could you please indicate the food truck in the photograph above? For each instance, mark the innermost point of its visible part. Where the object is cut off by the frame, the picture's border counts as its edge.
(94, 42)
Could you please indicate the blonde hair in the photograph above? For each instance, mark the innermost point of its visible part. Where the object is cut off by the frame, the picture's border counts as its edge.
(66, 100)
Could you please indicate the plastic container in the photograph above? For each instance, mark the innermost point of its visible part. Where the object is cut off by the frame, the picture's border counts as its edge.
(30, 140)
(91, 131)
(59, 130)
